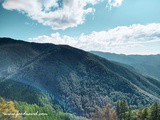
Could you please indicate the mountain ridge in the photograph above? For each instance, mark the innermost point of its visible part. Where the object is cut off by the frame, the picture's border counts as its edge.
(144, 64)
(78, 80)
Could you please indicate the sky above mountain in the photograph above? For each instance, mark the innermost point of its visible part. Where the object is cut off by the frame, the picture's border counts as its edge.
(118, 26)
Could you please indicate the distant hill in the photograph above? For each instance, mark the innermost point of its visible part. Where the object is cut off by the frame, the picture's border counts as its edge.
(76, 80)
(145, 64)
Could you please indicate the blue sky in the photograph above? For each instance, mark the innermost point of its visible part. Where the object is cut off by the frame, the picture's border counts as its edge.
(20, 23)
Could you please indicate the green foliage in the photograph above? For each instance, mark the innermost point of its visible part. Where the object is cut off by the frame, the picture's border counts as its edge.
(124, 112)
(146, 64)
(40, 113)
(121, 110)
(108, 113)
(77, 79)
(155, 111)
(7, 108)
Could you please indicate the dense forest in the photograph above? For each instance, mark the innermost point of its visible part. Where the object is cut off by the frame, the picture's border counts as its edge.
(74, 79)
(124, 112)
(9, 110)
(145, 64)
(67, 83)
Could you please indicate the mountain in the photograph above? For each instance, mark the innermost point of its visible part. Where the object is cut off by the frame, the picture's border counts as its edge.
(145, 64)
(75, 80)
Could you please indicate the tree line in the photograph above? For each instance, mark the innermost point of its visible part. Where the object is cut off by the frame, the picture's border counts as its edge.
(121, 111)
(124, 112)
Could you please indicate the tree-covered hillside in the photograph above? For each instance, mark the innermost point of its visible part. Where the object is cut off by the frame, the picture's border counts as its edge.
(75, 80)
(124, 112)
(145, 64)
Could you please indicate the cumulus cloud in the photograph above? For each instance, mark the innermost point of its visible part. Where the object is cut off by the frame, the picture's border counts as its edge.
(114, 3)
(58, 14)
(122, 39)
(55, 13)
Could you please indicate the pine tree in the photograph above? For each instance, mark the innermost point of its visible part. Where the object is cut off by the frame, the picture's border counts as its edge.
(123, 109)
(129, 115)
(118, 109)
(158, 112)
(145, 114)
(139, 116)
(154, 111)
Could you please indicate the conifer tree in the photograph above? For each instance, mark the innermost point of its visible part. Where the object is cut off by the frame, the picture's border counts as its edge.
(118, 109)
(129, 115)
(154, 111)
(145, 114)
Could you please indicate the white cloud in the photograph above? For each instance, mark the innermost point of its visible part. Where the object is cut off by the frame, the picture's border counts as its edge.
(135, 39)
(48, 4)
(114, 3)
(49, 13)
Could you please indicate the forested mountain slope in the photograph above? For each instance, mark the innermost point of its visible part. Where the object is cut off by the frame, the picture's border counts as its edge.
(145, 64)
(76, 80)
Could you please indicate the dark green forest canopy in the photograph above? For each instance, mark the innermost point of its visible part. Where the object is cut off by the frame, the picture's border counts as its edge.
(69, 79)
